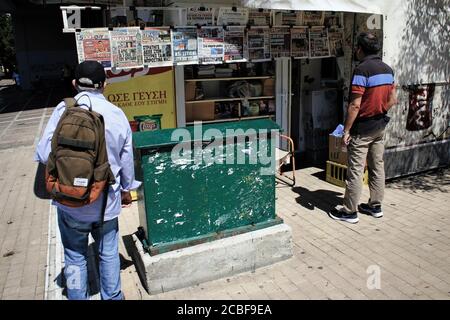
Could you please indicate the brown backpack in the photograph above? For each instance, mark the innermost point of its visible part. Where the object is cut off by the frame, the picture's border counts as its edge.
(78, 170)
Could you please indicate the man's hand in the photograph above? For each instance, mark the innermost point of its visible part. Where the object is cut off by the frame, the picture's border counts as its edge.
(126, 199)
(346, 139)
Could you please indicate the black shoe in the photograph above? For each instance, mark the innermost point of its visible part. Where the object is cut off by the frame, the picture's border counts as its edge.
(375, 211)
(344, 216)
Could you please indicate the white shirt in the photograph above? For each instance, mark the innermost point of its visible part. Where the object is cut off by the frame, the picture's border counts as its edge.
(119, 148)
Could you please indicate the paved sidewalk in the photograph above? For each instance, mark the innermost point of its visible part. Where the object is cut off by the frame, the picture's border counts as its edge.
(409, 245)
(334, 260)
(23, 228)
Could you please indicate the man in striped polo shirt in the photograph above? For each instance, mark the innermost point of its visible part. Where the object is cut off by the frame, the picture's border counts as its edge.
(372, 94)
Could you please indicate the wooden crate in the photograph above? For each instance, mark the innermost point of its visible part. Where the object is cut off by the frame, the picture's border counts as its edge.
(337, 174)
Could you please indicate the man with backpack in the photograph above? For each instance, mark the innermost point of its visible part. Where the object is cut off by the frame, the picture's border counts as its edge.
(87, 149)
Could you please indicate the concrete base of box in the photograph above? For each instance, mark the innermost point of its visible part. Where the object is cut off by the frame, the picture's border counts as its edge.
(213, 260)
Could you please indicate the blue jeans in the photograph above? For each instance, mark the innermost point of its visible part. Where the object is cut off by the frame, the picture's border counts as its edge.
(75, 236)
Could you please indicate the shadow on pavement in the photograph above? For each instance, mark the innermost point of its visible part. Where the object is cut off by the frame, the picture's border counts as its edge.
(324, 200)
(434, 180)
(132, 251)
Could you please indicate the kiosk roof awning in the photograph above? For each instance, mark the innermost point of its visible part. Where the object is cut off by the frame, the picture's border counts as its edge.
(360, 6)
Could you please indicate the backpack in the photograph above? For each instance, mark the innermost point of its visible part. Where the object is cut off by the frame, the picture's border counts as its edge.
(78, 170)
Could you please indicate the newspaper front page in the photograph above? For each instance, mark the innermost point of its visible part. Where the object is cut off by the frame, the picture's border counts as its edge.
(126, 48)
(291, 18)
(312, 18)
(280, 42)
(258, 40)
(299, 42)
(257, 17)
(210, 45)
(235, 44)
(94, 44)
(184, 45)
(333, 19)
(336, 38)
(156, 47)
(318, 42)
(232, 17)
(200, 16)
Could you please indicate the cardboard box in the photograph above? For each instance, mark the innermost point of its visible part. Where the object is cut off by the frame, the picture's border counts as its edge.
(189, 91)
(200, 111)
(269, 87)
(336, 151)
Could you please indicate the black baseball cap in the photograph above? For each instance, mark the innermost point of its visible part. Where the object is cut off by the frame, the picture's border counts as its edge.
(90, 74)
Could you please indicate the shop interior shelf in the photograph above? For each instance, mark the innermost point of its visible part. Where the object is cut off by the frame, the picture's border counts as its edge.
(230, 99)
(235, 119)
(229, 79)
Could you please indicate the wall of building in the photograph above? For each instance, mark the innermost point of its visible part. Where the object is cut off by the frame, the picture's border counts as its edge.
(417, 48)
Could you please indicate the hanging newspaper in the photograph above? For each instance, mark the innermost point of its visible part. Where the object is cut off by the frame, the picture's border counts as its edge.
(312, 18)
(336, 38)
(94, 44)
(257, 17)
(333, 19)
(200, 16)
(299, 42)
(156, 47)
(280, 42)
(184, 45)
(232, 17)
(258, 40)
(291, 18)
(235, 45)
(318, 42)
(210, 45)
(126, 48)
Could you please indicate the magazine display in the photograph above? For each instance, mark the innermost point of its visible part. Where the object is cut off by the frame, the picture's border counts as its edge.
(210, 45)
(235, 45)
(94, 44)
(232, 17)
(126, 48)
(258, 40)
(312, 18)
(333, 19)
(258, 17)
(156, 47)
(199, 16)
(280, 42)
(336, 38)
(291, 18)
(299, 42)
(318, 42)
(184, 45)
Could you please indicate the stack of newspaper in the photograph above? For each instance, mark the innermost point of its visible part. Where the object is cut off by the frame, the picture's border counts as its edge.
(224, 72)
(206, 71)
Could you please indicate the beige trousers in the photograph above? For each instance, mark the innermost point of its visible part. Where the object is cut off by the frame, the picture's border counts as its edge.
(360, 148)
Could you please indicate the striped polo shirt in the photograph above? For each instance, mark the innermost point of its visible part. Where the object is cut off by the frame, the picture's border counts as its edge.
(374, 80)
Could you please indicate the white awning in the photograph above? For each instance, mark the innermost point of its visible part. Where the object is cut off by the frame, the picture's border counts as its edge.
(362, 6)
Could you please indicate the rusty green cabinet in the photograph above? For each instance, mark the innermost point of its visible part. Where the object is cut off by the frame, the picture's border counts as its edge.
(202, 183)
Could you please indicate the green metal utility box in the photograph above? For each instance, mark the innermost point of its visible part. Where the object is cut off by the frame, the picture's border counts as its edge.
(202, 183)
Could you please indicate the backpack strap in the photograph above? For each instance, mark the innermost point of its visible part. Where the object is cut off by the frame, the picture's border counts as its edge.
(70, 102)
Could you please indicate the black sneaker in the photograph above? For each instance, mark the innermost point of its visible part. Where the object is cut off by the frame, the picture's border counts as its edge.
(344, 216)
(374, 211)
